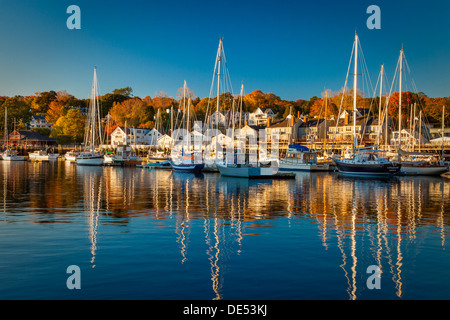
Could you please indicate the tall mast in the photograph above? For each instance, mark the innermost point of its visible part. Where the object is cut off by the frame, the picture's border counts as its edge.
(325, 130)
(6, 126)
(381, 95)
(420, 129)
(443, 112)
(355, 80)
(93, 111)
(184, 99)
(400, 103)
(219, 59)
(240, 105)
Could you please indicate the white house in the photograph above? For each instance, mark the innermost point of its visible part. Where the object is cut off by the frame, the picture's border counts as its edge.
(39, 122)
(165, 142)
(259, 116)
(219, 118)
(138, 136)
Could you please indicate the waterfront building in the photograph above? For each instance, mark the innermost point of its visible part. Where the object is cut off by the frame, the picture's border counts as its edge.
(138, 136)
(30, 138)
(259, 116)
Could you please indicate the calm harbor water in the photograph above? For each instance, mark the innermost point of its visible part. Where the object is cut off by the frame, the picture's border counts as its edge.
(147, 234)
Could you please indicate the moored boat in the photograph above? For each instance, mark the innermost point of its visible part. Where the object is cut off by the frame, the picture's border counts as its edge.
(300, 158)
(11, 155)
(91, 156)
(42, 155)
(71, 156)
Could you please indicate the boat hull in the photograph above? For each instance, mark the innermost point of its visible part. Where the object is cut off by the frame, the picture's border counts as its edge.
(287, 167)
(48, 157)
(367, 170)
(13, 158)
(423, 170)
(195, 167)
(245, 171)
(90, 161)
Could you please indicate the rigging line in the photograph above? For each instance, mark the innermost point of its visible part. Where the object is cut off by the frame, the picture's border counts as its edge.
(343, 95)
(370, 108)
(212, 82)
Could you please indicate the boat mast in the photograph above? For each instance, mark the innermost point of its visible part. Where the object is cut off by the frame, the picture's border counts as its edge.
(355, 80)
(420, 129)
(219, 59)
(325, 130)
(240, 105)
(6, 127)
(381, 95)
(400, 104)
(443, 112)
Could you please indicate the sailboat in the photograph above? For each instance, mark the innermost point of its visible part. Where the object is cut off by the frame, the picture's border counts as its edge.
(364, 161)
(91, 156)
(416, 163)
(9, 154)
(187, 162)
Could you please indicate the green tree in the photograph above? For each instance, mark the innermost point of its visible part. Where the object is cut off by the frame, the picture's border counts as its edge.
(18, 112)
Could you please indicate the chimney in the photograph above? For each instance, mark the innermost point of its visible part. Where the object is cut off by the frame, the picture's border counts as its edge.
(346, 118)
(298, 114)
(292, 120)
(305, 119)
(268, 121)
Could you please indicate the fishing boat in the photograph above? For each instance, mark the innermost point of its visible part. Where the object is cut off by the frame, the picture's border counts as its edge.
(43, 155)
(126, 156)
(11, 155)
(166, 165)
(91, 156)
(71, 156)
(108, 158)
(246, 166)
(300, 158)
(245, 171)
(365, 162)
(157, 156)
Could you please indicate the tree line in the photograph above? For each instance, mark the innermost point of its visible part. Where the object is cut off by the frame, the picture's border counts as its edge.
(66, 113)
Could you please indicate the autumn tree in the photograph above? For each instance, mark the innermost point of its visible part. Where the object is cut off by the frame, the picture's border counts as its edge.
(162, 100)
(69, 128)
(132, 111)
(56, 110)
(41, 102)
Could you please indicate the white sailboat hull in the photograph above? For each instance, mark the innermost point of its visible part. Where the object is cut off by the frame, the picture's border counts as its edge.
(408, 169)
(13, 158)
(71, 158)
(291, 167)
(43, 157)
(90, 161)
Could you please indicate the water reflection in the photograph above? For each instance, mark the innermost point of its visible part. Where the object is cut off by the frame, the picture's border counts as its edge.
(368, 222)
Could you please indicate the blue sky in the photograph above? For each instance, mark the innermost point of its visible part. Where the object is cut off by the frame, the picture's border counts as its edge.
(295, 49)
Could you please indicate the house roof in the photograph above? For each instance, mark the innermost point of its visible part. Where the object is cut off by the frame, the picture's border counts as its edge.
(284, 123)
(38, 117)
(31, 135)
